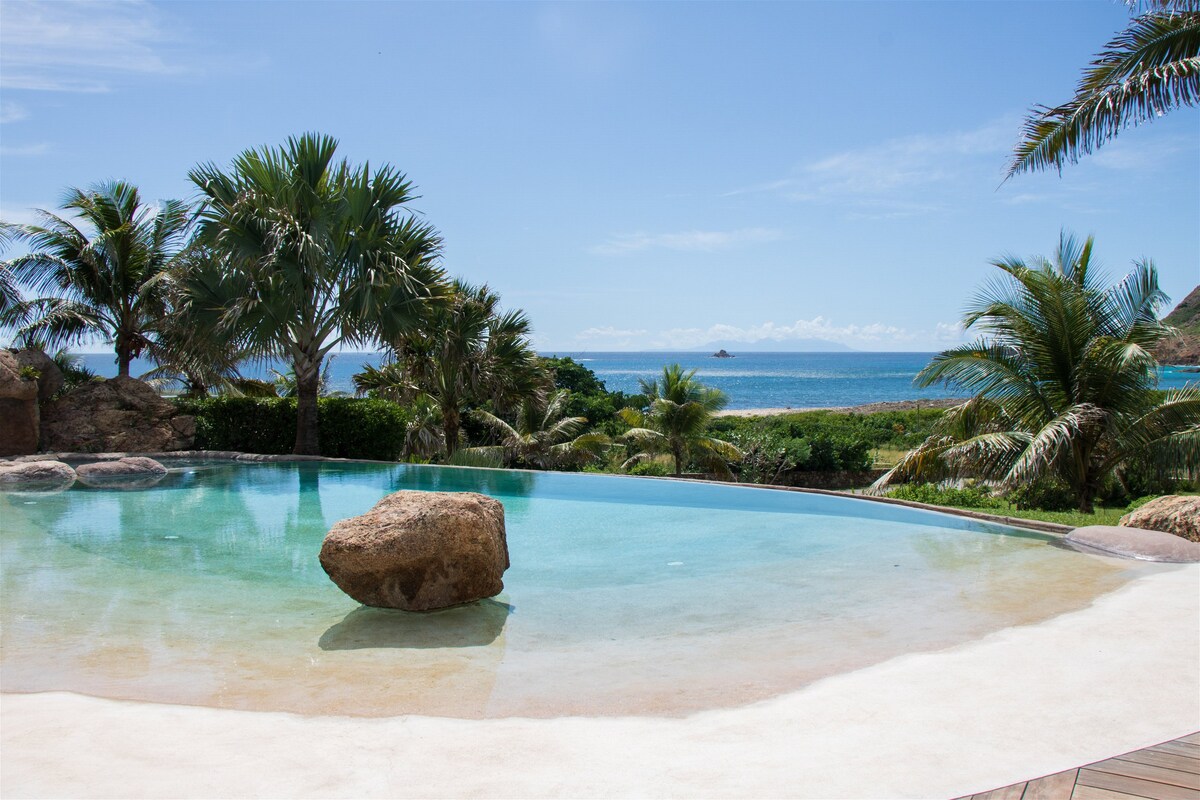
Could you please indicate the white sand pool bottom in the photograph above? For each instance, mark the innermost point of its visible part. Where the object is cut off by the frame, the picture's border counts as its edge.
(1119, 675)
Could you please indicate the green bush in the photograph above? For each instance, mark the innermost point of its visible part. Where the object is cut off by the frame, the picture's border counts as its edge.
(349, 427)
(966, 497)
(654, 468)
(1045, 495)
(767, 455)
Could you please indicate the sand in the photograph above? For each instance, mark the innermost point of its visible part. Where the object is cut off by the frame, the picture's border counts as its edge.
(1119, 675)
(866, 408)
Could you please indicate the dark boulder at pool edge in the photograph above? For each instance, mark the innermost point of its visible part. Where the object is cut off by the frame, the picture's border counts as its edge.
(420, 551)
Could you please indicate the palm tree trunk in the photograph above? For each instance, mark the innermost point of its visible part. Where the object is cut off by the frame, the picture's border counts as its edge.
(123, 355)
(451, 421)
(678, 453)
(308, 379)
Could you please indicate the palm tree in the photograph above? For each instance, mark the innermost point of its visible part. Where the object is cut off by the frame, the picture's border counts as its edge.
(677, 422)
(543, 437)
(100, 273)
(311, 254)
(1146, 70)
(1063, 381)
(464, 353)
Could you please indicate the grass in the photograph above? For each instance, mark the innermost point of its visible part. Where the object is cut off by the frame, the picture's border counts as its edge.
(1076, 519)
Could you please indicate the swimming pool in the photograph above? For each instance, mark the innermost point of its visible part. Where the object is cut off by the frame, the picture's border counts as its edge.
(625, 595)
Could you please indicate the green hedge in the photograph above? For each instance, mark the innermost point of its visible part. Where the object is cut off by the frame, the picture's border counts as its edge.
(350, 427)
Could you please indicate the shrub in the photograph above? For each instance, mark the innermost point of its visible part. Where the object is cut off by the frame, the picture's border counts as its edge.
(766, 455)
(349, 427)
(967, 497)
(654, 468)
(1044, 495)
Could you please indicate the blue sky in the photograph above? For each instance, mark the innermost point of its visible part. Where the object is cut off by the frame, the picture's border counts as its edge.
(635, 176)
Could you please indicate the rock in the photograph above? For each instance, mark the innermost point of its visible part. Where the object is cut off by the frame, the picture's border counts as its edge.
(420, 551)
(1135, 543)
(134, 472)
(1172, 514)
(50, 378)
(121, 414)
(35, 475)
(722, 353)
(19, 415)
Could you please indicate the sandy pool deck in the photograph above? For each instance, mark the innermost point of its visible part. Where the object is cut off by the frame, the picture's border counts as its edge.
(1117, 676)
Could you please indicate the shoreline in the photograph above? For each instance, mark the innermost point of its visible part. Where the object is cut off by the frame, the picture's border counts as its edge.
(1023, 702)
(864, 408)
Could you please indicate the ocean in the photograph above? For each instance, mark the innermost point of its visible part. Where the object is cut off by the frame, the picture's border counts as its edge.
(751, 380)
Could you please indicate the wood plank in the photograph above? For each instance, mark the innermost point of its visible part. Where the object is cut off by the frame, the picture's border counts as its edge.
(1168, 760)
(1052, 787)
(1092, 793)
(1133, 786)
(1132, 769)
(1193, 738)
(1178, 748)
(1013, 792)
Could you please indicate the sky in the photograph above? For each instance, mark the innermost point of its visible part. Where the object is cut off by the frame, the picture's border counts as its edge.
(635, 176)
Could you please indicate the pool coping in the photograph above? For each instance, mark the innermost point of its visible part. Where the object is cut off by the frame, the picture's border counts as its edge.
(1053, 528)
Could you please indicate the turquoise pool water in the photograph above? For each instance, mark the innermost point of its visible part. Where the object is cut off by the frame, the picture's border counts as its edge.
(625, 596)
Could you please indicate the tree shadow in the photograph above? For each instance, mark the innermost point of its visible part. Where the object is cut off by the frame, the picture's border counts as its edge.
(471, 625)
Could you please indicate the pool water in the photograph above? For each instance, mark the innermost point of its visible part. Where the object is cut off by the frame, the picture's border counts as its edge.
(625, 595)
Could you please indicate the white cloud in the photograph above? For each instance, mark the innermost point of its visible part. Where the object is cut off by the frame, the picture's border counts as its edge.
(887, 179)
(78, 46)
(11, 112)
(25, 150)
(687, 241)
(609, 332)
(869, 336)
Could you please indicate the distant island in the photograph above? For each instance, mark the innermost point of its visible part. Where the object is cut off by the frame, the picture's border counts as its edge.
(722, 353)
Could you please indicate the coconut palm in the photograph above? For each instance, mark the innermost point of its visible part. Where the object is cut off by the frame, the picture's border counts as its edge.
(676, 422)
(1147, 69)
(543, 437)
(99, 273)
(311, 253)
(1063, 381)
(465, 353)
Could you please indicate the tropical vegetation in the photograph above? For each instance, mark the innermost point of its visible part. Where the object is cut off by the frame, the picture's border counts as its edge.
(676, 422)
(462, 354)
(542, 436)
(310, 253)
(1148, 69)
(101, 272)
(1063, 383)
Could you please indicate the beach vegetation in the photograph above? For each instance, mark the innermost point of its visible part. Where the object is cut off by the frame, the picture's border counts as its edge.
(350, 427)
(463, 354)
(541, 435)
(1148, 69)
(675, 421)
(97, 270)
(309, 253)
(1063, 381)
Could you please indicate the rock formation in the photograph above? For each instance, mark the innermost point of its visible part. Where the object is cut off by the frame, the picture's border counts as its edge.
(420, 551)
(122, 414)
(1172, 514)
(19, 416)
(50, 378)
(134, 472)
(35, 475)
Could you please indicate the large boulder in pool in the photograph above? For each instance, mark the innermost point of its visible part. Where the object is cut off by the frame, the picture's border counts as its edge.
(419, 551)
(117, 415)
(46, 476)
(134, 472)
(18, 408)
(1170, 514)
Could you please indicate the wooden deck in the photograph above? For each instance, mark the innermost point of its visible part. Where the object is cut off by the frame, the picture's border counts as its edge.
(1168, 771)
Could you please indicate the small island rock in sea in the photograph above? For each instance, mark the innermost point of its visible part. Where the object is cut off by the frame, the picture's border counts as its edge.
(722, 354)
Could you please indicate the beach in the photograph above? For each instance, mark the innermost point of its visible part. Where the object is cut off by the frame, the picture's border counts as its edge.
(864, 408)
